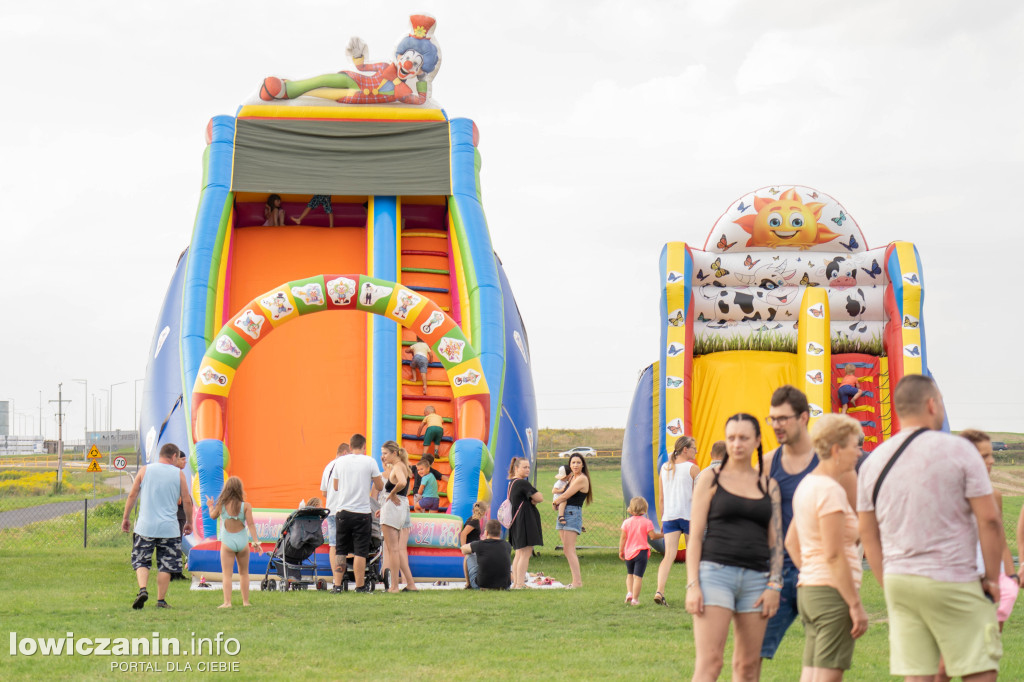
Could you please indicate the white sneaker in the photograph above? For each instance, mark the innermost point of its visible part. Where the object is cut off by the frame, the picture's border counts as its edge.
(629, 598)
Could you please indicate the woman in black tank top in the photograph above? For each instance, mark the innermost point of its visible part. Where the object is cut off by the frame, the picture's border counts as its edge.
(734, 555)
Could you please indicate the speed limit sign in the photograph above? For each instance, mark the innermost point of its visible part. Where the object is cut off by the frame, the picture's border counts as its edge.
(120, 463)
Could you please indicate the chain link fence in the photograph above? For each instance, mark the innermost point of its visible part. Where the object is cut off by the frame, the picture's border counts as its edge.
(602, 518)
(88, 509)
(84, 511)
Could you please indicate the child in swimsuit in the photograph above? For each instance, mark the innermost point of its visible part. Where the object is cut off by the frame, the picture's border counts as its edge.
(234, 537)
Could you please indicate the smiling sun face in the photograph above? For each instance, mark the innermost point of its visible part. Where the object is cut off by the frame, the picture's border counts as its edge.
(787, 222)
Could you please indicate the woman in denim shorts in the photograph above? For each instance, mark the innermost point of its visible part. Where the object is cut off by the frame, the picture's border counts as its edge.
(574, 496)
(734, 555)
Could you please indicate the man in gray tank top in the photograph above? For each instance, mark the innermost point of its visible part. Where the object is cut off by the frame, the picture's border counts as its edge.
(158, 487)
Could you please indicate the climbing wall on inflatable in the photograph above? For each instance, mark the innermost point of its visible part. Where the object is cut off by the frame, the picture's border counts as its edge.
(784, 290)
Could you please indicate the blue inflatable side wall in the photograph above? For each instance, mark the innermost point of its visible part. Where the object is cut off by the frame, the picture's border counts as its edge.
(162, 418)
(517, 436)
(638, 448)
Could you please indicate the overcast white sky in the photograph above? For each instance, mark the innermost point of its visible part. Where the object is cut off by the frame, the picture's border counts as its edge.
(607, 129)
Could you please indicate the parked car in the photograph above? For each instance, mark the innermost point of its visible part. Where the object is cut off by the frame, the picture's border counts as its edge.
(585, 451)
(999, 445)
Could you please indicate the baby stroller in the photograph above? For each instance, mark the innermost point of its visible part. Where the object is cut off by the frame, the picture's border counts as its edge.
(375, 571)
(294, 556)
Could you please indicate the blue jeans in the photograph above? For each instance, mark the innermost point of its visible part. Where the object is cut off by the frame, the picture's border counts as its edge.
(472, 568)
(784, 617)
(573, 519)
(731, 587)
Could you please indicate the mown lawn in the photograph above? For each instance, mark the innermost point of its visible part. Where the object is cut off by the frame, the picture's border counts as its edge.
(50, 588)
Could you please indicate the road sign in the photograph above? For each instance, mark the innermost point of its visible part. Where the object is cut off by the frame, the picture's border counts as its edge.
(120, 462)
(94, 452)
(94, 466)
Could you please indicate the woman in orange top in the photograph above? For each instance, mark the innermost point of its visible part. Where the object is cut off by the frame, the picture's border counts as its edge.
(823, 543)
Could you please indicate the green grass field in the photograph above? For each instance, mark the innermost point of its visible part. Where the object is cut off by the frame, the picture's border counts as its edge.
(51, 587)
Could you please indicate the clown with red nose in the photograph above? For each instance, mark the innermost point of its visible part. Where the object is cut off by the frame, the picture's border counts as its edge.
(406, 78)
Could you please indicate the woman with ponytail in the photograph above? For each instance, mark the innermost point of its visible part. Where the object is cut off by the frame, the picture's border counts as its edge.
(395, 521)
(677, 476)
(734, 556)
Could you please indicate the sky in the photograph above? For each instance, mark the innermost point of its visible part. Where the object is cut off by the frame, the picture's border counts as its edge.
(606, 130)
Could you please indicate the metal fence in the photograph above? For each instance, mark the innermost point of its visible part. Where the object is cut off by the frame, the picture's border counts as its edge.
(85, 511)
(31, 515)
(602, 519)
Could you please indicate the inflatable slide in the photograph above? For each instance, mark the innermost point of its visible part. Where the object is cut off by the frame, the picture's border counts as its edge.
(784, 290)
(354, 195)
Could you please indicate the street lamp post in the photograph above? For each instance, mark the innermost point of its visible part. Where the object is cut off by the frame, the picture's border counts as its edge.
(85, 421)
(110, 422)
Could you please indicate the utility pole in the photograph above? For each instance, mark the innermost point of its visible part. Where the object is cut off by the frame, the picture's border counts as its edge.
(60, 434)
(110, 422)
(85, 420)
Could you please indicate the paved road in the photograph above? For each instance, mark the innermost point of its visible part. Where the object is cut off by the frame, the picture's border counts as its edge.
(44, 512)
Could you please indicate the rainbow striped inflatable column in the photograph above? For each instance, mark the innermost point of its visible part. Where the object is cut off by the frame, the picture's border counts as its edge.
(904, 303)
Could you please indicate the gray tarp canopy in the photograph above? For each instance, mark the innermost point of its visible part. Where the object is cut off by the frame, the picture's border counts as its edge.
(289, 156)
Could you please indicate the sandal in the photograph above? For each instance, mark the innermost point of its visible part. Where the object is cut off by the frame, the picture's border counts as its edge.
(659, 599)
(561, 520)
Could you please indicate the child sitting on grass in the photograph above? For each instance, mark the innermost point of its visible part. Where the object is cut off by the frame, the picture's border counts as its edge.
(234, 539)
(471, 533)
(633, 549)
(427, 498)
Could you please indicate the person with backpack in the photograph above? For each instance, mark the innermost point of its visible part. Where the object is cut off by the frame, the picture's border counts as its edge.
(524, 528)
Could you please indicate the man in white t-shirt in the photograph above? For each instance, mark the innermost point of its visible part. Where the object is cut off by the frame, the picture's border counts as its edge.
(920, 536)
(330, 497)
(351, 479)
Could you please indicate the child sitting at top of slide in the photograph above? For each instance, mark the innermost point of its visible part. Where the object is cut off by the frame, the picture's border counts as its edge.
(273, 214)
(848, 391)
(427, 498)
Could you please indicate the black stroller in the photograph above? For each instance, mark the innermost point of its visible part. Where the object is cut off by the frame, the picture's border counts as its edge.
(294, 556)
(375, 571)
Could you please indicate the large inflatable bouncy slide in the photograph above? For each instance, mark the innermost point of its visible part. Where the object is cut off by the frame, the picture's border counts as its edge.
(784, 291)
(340, 221)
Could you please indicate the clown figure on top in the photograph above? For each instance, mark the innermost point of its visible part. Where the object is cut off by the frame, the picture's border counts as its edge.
(406, 78)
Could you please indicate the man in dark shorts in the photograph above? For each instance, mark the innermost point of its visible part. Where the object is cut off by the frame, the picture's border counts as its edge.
(493, 559)
(158, 487)
(353, 477)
